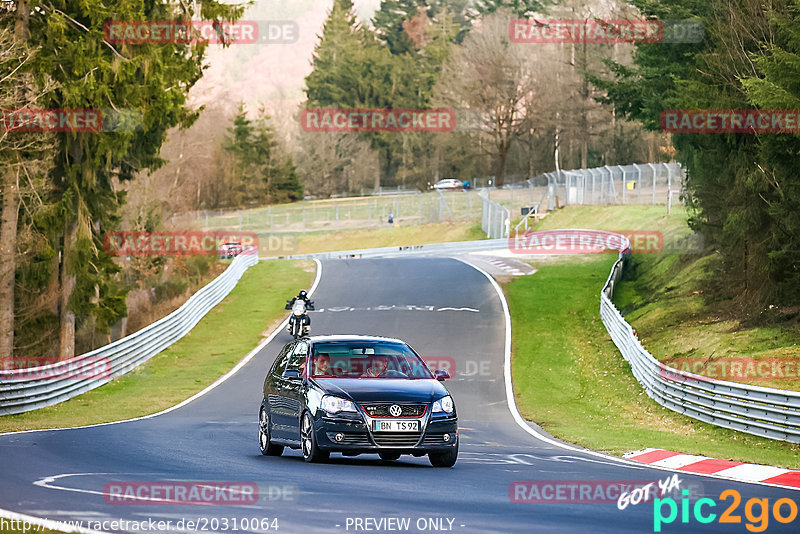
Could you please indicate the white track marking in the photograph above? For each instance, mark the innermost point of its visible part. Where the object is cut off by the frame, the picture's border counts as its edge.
(681, 460)
(752, 472)
(512, 406)
(395, 307)
(196, 396)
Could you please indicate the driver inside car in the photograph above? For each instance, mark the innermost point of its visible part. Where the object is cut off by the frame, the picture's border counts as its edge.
(377, 366)
(322, 365)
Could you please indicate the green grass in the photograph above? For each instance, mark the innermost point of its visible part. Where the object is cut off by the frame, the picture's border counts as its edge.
(618, 218)
(571, 379)
(382, 237)
(214, 346)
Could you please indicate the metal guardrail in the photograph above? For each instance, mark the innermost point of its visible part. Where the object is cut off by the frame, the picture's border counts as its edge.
(767, 412)
(22, 390)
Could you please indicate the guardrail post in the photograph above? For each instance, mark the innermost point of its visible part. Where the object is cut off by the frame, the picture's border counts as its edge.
(653, 168)
(669, 176)
(624, 183)
(638, 184)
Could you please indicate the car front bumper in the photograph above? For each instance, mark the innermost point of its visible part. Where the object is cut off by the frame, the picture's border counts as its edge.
(356, 437)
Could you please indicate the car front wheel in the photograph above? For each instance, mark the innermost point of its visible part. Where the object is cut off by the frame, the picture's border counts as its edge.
(264, 437)
(308, 442)
(444, 459)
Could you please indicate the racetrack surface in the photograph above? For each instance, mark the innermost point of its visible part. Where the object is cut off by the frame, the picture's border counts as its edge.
(443, 308)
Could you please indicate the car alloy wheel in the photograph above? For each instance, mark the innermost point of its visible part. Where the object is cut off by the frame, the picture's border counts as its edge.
(264, 438)
(311, 452)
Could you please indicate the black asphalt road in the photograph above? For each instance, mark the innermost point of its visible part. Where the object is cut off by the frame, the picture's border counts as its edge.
(443, 308)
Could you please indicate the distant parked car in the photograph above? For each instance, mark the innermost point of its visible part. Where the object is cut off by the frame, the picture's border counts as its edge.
(448, 184)
(230, 250)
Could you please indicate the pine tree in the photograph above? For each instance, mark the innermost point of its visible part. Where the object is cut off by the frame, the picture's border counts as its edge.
(775, 182)
(263, 174)
(149, 81)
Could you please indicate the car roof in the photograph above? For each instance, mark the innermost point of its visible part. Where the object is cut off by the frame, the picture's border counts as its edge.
(352, 337)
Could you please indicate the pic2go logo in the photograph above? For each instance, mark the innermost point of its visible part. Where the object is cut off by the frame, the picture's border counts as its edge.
(756, 511)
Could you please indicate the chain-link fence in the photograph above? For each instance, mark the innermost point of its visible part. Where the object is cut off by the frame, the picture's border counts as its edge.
(649, 183)
(342, 213)
(652, 183)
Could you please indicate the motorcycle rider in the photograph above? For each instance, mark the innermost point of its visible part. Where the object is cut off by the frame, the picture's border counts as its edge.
(302, 295)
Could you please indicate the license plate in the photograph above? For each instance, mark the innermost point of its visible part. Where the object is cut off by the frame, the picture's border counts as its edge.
(395, 426)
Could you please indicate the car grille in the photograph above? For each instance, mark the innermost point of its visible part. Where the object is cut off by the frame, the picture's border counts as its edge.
(350, 438)
(396, 439)
(382, 409)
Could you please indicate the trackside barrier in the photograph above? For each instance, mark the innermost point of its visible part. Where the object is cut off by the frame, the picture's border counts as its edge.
(767, 412)
(495, 218)
(22, 390)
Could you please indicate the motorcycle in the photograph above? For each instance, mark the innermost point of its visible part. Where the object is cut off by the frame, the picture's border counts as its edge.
(299, 322)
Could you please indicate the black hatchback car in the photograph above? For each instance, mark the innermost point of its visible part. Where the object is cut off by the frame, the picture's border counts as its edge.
(356, 395)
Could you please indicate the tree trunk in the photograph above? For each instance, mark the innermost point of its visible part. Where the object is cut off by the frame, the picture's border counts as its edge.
(9, 217)
(8, 255)
(21, 32)
(500, 170)
(67, 280)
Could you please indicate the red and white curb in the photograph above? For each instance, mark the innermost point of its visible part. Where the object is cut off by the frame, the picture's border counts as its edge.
(719, 468)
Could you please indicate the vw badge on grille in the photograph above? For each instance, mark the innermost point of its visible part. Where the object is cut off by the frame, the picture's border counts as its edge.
(395, 410)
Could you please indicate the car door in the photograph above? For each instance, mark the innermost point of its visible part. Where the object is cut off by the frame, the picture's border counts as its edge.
(273, 392)
(293, 389)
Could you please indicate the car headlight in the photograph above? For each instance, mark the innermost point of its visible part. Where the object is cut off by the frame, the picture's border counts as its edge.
(333, 404)
(445, 404)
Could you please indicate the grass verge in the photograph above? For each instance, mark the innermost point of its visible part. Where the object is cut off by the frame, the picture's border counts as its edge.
(214, 346)
(571, 379)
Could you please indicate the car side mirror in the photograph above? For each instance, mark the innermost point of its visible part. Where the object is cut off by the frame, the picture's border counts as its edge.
(441, 375)
(292, 374)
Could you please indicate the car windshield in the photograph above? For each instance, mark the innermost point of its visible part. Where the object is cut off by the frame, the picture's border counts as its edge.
(365, 359)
